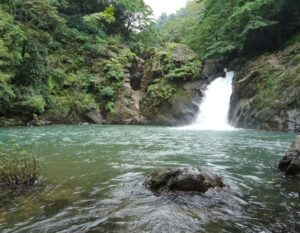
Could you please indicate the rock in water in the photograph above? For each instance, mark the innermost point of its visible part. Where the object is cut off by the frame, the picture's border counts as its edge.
(290, 163)
(36, 121)
(182, 179)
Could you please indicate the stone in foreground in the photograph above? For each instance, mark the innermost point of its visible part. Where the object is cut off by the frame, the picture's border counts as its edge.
(290, 163)
(182, 179)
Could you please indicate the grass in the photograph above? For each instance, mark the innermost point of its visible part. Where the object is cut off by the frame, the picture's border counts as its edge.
(19, 169)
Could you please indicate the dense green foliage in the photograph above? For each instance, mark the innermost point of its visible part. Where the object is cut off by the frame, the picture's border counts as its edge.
(222, 28)
(66, 55)
(73, 56)
(167, 69)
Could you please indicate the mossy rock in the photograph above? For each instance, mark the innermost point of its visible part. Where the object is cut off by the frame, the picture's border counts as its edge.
(168, 69)
(270, 85)
(171, 84)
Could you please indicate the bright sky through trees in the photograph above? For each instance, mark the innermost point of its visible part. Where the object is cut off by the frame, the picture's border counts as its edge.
(167, 6)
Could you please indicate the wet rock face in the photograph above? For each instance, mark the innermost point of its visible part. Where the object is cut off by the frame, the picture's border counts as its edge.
(290, 164)
(182, 179)
(136, 74)
(212, 69)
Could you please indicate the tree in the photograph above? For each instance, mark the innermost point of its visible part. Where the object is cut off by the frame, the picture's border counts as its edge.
(230, 28)
(39, 13)
(101, 18)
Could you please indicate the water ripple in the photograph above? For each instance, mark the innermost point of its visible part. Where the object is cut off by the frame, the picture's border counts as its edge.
(95, 174)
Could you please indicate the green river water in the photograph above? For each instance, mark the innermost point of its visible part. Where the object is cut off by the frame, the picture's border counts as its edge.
(93, 181)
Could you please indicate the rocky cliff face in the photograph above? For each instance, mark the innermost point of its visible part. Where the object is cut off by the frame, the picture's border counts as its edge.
(267, 92)
(171, 85)
(163, 89)
(127, 103)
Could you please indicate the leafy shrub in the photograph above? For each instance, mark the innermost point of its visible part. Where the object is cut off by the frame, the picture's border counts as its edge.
(34, 103)
(114, 70)
(164, 92)
(6, 92)
(107, 92)
(34, 69)
(19, 169)
(158, 93)
(68, 101)
(93, 49)
(99, 19)
(110, 107)
(186, 72)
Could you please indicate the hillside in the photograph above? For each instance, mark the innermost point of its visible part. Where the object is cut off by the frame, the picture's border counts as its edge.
(83, 61)
(66, 60)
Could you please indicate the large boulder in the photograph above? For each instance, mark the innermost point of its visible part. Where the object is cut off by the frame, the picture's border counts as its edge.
(182, 179)
(171, 85)
(290, 163)
(93, 116)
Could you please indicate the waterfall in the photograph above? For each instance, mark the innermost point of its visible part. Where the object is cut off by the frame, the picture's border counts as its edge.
(214, 108)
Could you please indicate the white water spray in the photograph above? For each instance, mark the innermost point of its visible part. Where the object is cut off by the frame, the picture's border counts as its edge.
(214, 108)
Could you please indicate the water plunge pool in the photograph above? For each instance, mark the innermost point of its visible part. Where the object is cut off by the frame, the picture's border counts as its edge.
(94, 181)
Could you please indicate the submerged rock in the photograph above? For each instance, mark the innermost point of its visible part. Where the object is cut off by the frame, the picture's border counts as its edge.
(182, 179)
(290, 163)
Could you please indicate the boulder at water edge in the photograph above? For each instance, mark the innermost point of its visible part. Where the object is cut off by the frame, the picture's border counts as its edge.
(290, 163)
(182, 179)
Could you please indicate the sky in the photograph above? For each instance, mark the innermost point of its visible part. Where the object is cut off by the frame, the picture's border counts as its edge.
(167, 6)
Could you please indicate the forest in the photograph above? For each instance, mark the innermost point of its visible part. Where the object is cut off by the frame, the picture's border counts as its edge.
(72, 55)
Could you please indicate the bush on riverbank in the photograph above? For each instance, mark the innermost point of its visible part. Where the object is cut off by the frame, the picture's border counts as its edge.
(19, 169)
